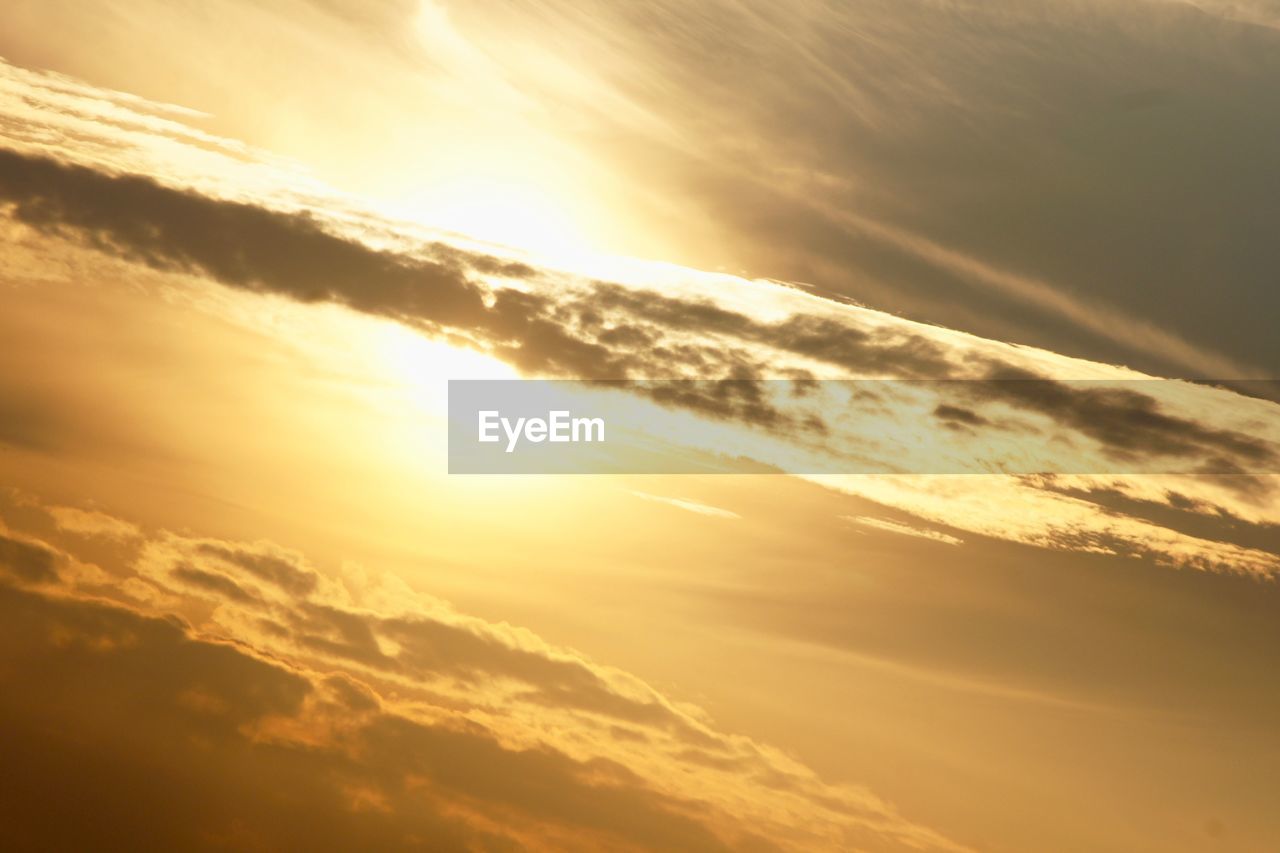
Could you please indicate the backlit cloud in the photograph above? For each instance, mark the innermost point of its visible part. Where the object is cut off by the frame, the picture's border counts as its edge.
(422, 726)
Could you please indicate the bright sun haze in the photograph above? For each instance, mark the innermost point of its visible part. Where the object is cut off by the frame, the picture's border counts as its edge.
(642, 426)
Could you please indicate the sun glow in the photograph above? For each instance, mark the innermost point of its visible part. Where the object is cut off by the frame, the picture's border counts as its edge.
(508, 210)
(424, 367)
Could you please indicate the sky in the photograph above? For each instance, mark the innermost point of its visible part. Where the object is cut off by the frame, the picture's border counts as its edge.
(980, 295)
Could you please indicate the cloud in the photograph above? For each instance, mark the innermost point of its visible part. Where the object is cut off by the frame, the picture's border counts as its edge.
(247, 712)
(957, 417)
(1126, 421)
(321, 621)
(227, 750)
(235, 243)
(590, 333)
(904, 529)
(725, 332)
(247, 246)
(688, 505)
(931, 161)
(559, 327)
(265, 563)
(28, 561)
(92, 523)
(1024, 509)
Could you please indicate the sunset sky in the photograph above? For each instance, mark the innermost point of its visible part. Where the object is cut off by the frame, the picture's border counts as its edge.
(1000, 574)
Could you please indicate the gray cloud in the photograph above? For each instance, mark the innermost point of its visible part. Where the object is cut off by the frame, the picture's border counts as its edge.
(29, 562)
(600, 331)
(1130, 424)
(1025, 171)
(277, 569)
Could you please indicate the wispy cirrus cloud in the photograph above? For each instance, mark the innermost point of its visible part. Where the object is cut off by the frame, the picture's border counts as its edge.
(889, 526)
(695, 507)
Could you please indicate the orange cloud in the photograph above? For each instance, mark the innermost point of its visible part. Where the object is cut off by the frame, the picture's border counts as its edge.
(244, 699)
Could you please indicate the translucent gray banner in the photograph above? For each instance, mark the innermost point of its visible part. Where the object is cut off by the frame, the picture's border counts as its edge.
(1019, 425)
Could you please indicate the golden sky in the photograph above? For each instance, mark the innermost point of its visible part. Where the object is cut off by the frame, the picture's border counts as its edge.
(246, 606)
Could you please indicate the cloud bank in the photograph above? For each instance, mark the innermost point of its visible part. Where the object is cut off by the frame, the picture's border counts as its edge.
(207, 693)
(547, 322)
